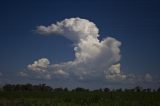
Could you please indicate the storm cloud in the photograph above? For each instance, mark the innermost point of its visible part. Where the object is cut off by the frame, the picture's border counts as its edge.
(93, 58)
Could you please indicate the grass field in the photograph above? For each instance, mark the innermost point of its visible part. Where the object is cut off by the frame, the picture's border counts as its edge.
(69, 98)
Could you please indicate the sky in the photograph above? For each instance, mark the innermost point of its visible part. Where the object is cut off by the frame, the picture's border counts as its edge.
(86, 43)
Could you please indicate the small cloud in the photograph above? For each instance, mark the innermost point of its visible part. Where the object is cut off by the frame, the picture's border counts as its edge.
(114, 69)
(23, 74)
(40, 65)
(61, 73)
(116, 77)
(148, 77)
(114, 73)
(47, 76)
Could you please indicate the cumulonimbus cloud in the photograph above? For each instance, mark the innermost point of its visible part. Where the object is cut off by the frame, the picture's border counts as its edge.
(94, 59)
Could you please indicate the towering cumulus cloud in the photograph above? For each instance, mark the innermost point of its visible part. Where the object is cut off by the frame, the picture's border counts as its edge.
(94, 59)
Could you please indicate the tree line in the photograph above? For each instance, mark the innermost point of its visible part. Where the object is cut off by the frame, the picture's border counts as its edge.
(44, 87)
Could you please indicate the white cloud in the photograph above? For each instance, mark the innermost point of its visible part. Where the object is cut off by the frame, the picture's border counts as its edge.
(41, 65)
(115, 69)
(93, 58)
(23, 74)
(115, 73)
(74, 29)
(148, 77)
(61, 72)
(40, 68)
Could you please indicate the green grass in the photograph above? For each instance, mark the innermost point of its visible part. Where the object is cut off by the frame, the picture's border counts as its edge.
(79, 99)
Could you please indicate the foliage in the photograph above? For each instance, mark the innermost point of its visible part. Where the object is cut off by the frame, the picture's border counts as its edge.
(76, 97)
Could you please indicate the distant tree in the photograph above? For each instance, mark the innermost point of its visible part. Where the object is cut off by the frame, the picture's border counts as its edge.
(79, 89)
(153, 90)
(1, 88)
(148, 89)
(48, 88)
(66, 89)
(138, 89)
(44, 87)
(158, 89)
(106, 90)
(98, 90)
(26, 87)
(7, 87)
(128, 90)
(119, 90)
(58, 89)
(144, 90)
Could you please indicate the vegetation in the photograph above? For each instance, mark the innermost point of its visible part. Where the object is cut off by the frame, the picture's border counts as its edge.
(42, 95)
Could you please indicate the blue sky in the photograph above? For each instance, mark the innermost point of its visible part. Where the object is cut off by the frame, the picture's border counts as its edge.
(135, 23)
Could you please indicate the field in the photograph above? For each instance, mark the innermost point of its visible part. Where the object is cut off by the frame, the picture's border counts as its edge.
(72, 98)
